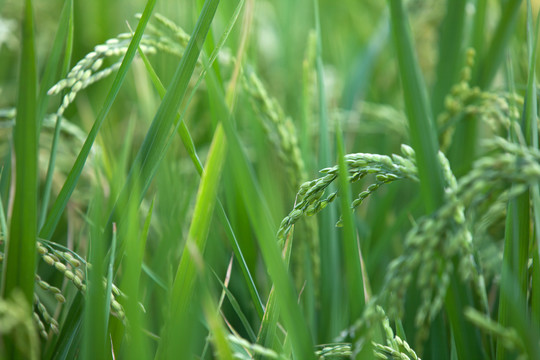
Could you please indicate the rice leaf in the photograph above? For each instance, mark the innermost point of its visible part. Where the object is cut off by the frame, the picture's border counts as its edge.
(268, 335)
(499, 43)
(192, 152)
(451, 51)
(260, 218)
(463, 150)
(50, 74)
(513, 305)
(67, 189)
(96, 309)
(137, 346)
(184, 285)
(421, 124)
(237, 309)
(331, 321)
(19, 265)
(532, 128)
(65, 30)
(351, 250)
(185, 280)
(152, 149)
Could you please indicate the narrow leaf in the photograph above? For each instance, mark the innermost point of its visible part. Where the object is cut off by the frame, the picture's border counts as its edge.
(59, 205)
(20, 265)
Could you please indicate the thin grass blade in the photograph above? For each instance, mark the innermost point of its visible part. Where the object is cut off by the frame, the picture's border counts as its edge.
(222, 349)
(67, 26)
(351, 251)
(331, 320)
(267, 335)
(532, 120)
(463, 149)
(190, 148)
(137, 344)
(515, 270)
(499, 43)
(50, 74)
(184, 285)
(61, 201)
(20, 265)
(260, 218)
(238, 310)
(421, 125)
(96, 311)
(67, 344)
(451, 51)
(156, 139)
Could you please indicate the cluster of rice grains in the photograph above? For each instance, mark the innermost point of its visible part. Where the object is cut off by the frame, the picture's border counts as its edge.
(165, 36)
(481, 195)
(396, 347)
(385, 345)
(250, 351)
(385, 169)
(437, 238)
(496, 110)
(73, 269)
(444, 235)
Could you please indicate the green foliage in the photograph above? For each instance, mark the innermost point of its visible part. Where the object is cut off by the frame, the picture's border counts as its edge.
(112, 170)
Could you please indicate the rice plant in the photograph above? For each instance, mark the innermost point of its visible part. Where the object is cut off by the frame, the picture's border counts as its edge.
(269, 180)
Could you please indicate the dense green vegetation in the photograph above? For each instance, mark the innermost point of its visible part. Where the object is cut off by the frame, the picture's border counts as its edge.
(269, 179)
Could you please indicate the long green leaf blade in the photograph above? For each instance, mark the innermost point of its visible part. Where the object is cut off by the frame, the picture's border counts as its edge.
(513, 305)
(424, 141)
(137, 343)
(51, 67)
(184, 286)
(190, 148)
(331, 286)
(156, 139)
(61, 201)
(532, 126)
(186, 276)
(65, 26)
(351, 251)
(20, 265)
(451, 48)
(421, 125)
(463, 149)
(96, 310)
(260, 217)
(499, 43)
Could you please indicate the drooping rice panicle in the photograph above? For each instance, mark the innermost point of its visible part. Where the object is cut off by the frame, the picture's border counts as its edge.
(385, 169)
(496, 109)
(443, 235)
(280, 128)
